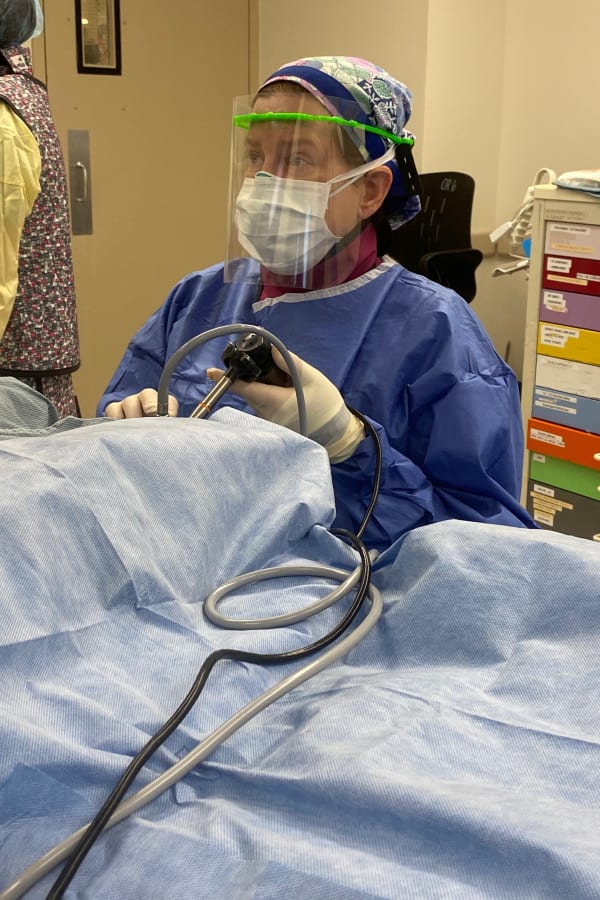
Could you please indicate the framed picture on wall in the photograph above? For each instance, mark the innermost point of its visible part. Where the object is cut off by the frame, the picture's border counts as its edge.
(98, 34)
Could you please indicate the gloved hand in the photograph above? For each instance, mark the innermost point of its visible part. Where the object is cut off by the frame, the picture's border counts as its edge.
(138, 405)
(328, 419)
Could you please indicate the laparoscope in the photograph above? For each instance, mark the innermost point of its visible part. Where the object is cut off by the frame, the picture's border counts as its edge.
(248, 358)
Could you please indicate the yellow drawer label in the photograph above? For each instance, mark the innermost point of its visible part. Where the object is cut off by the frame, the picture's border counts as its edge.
(567, 342)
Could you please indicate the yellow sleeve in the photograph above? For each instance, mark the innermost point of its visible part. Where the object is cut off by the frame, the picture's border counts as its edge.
(20, 165)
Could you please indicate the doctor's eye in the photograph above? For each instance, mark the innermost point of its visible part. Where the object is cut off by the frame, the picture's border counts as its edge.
(298, 160)
(253, 158)
(298, 164)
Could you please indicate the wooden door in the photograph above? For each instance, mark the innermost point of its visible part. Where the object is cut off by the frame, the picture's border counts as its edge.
(159, 136)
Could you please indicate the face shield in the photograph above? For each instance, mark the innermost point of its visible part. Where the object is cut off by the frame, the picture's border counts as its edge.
(39, 20)
(296, 185)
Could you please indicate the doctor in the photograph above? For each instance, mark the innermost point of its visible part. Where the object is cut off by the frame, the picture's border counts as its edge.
(322, 171)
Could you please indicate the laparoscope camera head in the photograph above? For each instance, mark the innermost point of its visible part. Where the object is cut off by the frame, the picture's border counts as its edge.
(250, 359)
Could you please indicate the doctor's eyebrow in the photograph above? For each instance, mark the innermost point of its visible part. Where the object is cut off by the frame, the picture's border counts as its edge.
(286, 146)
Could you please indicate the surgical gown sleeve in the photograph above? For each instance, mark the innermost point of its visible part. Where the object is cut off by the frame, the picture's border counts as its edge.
(469, 467)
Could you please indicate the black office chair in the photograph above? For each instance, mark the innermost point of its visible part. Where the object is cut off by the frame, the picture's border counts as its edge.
(437, 242)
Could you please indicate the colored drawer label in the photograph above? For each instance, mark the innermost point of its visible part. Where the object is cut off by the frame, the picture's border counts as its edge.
(572, 274)
(578, 479)
(567, 342)
(566, 409)
(569, 444)
(567, 308)
(559, 510)
(568, 376)
(571, 239)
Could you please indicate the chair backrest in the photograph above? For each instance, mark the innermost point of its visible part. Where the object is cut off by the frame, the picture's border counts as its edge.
(437, 242)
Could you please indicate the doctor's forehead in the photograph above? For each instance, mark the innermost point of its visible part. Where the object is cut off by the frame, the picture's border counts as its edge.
(286, 101)
(290, 130)
(296, 133)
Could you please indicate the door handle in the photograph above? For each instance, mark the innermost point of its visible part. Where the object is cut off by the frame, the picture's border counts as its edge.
(83, 197)
(80, 178)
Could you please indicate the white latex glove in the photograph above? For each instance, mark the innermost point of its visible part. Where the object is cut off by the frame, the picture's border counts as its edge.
(328, 419)
(138, 405)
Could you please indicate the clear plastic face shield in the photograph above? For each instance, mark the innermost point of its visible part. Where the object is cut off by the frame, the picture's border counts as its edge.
(39, 20)
(297, 187)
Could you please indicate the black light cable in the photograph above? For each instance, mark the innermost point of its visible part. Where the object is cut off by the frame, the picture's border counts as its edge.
(376, 474)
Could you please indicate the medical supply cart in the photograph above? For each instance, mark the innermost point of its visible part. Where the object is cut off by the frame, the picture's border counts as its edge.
(561, 367)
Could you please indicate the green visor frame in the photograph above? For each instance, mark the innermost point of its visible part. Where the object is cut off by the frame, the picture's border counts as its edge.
(244, 121)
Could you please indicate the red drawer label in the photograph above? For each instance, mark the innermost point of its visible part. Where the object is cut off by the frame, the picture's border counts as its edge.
(572, 273)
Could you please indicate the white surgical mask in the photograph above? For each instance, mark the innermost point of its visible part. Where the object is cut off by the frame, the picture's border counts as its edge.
(281, 221)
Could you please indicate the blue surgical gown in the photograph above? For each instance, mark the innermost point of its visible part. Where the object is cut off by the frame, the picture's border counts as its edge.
(407, 353)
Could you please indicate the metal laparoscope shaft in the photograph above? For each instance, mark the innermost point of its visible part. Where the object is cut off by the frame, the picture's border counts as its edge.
(206, 404)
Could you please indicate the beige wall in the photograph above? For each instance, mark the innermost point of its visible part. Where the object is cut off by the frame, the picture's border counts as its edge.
(550, 108)
(463, 93)
(549, 119)
(501, 88)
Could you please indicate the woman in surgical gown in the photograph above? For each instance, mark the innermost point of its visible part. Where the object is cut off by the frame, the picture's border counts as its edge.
(321, 172)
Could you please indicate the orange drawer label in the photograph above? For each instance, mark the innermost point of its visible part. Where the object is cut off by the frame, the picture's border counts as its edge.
(581, 447)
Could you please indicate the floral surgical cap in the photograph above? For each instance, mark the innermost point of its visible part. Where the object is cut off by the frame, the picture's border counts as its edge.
(384, 102)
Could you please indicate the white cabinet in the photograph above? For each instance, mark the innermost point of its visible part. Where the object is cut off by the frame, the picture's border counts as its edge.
(560, 394)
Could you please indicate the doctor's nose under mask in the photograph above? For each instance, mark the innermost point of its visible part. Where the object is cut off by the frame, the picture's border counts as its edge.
(281, 221)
